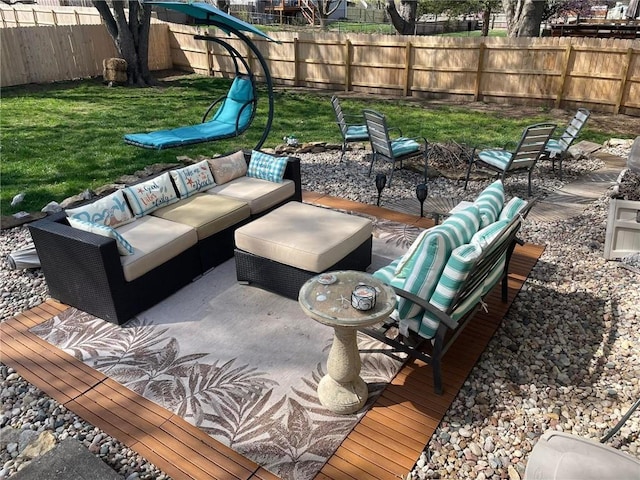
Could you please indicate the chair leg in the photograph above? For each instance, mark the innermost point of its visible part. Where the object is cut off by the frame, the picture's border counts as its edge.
(391, 174)
(373, 158)
(425, 155)
(344, 149)
(560, 166)
(529, 183)
(466, 179)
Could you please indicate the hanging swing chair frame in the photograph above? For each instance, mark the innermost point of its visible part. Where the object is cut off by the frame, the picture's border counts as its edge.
(205, 14)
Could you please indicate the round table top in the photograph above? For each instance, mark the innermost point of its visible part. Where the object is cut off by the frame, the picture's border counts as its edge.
(330, 303)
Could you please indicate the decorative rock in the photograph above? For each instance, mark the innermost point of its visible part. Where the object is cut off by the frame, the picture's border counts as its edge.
(45, 442)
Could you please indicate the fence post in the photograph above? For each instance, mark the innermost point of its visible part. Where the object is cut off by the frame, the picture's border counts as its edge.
(563, 77)
(296, 72)
(347, 65)
(77, 15)
(623, 81)
(476, 93)
(407, 69)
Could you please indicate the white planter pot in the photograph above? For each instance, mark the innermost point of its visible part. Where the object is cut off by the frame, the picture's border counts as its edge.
(623, 229)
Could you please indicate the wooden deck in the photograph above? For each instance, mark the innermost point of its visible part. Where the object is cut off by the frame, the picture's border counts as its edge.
(384, 445)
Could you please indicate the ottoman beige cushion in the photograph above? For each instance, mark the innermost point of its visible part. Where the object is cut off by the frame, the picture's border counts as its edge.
(304, 236)
(154, 241)
(207, 214)
(259, 194)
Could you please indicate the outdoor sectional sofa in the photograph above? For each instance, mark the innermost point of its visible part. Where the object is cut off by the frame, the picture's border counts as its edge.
(130, 250)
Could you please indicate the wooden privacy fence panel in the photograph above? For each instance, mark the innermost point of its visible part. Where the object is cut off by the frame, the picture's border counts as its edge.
(53, 53)
(31, 15)
(601, 74)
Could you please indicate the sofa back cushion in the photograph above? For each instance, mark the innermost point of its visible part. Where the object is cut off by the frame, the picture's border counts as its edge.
(193, 178)
(228, 167)
(111, 211)
(490, 203)
(145, 197)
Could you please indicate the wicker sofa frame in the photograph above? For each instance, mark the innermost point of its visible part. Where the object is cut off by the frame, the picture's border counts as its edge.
(83, 269)
(286, 280)
(449, 329)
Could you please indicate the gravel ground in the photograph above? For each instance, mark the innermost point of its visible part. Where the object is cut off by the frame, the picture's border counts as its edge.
(565, 357)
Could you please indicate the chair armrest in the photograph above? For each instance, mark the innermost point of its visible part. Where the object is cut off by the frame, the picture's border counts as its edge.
(439, 314)
(394, 129)
(292, 172)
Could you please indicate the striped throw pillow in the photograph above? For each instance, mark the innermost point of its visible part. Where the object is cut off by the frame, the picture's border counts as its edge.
(460, 227)
(490, 203)
(124, 247)
(512, 208)
(455, 272)
(485, 236)
(266, 167)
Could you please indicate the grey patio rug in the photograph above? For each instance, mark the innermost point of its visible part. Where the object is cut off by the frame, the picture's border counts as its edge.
(240, 363)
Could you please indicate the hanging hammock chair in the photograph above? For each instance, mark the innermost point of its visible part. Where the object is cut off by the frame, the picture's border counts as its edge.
(235, 111)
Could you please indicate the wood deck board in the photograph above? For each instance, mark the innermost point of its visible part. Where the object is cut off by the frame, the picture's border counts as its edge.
(384, 444)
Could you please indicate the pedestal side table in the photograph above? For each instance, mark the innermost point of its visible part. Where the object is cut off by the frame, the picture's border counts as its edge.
(326, 298)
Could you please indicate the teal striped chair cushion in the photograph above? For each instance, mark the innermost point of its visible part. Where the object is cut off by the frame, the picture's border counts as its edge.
(490, 203)
(494, 276)
(512, 208)
(403, 146)
(357, 132)
(555, 147)
(498, 158)
(485, 236)
(454, 274)
(462, 225)
(387, 274)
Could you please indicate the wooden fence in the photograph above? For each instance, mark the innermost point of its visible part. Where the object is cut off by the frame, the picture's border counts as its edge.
(600, 74)
(45, 54)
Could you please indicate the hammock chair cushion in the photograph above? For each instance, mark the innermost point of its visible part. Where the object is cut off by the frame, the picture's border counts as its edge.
(232, 117)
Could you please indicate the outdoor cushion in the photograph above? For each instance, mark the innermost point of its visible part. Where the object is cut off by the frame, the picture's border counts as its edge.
(259, 194)
(357, 132)
(462, 225)
(485, 236)
(267, 167)
(490, 203)
(148, 196)
(207, 214)
(555, 147)
(387, 274)
(183, 135)
(304, 236)
(403, 146)
(497, 157)
(192, 178)
(512, 208)
(111, 211)
(124, 247)
(155, 241)
(228, 167)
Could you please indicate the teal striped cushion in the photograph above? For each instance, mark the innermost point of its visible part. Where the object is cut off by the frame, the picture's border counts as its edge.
(490, 203)
(555, 147)
(497, 158)
(461, 226)
(485, 236)
(402, 146)
(512, 207)
(357, 132)
(430, 260)
(494, 276)
(454, 274)
(387, 275)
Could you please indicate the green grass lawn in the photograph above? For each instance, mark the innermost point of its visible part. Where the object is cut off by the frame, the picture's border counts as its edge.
(60, 139)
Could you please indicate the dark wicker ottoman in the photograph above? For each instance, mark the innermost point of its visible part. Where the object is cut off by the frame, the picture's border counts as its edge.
(283, 249)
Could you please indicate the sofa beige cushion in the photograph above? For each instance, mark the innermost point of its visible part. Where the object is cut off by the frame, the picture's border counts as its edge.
(259, 194)
(208, 214)
(155, 241)
(304, 236)
(228, 167)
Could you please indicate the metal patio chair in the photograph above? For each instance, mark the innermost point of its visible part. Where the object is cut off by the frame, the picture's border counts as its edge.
(522, 159)
(557, 149)
(389, 149)
(351, 132)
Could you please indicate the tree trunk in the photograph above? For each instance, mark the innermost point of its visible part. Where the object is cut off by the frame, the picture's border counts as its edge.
(404, 21)
(524, 17)
(131, 38)
(486, 18)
